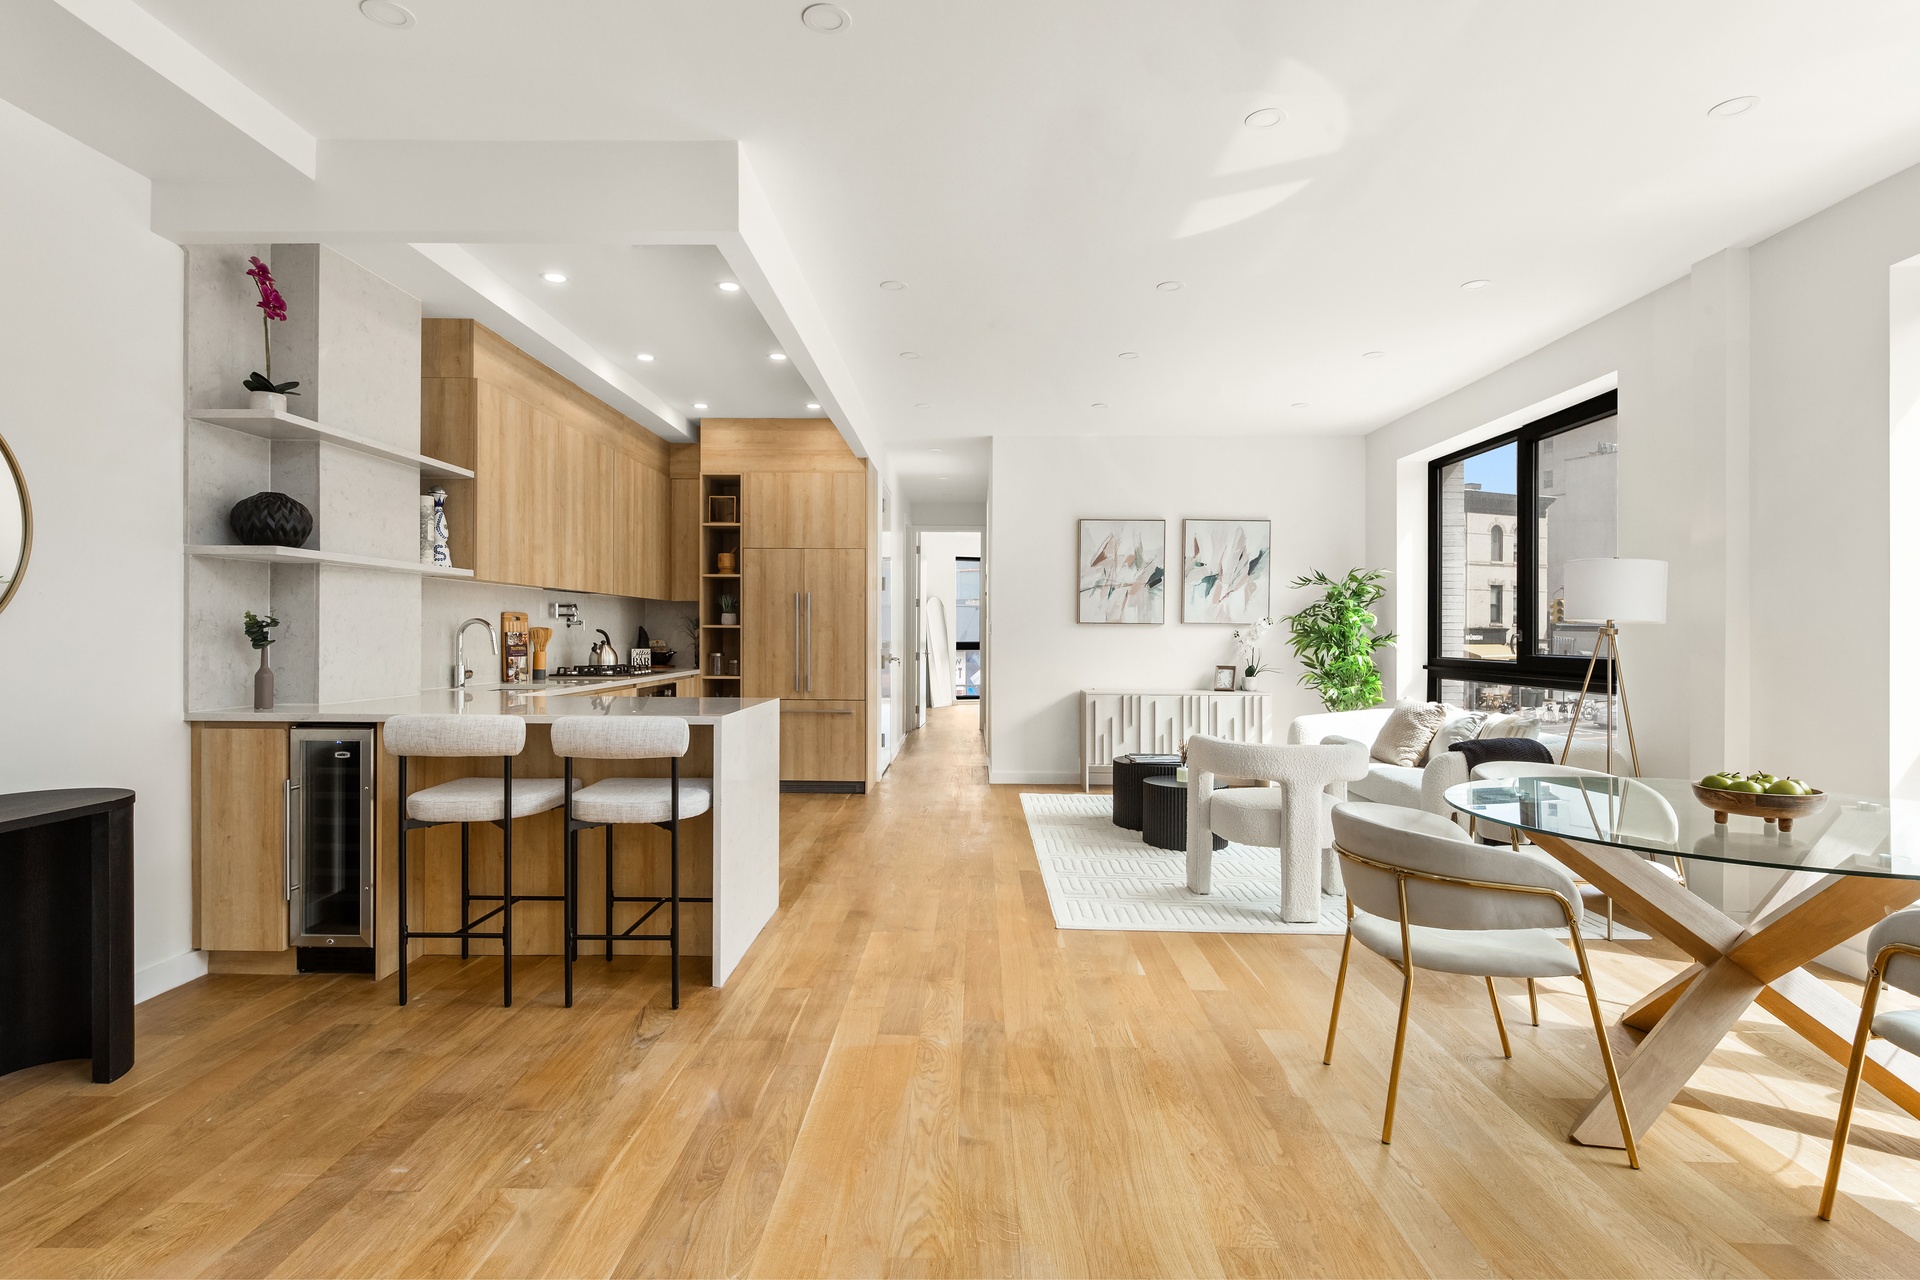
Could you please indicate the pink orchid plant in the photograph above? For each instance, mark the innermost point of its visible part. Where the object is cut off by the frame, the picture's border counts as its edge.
(272, 307)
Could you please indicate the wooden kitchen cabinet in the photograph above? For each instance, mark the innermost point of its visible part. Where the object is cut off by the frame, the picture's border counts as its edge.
(809, 610)
(773, 580)
(239, 836)
(822, 741)
(567, 493)
(803, 509)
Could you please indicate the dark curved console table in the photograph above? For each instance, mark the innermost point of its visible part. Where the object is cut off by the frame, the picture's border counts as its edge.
(1128, 773)
(66, 929)
(1163, 812)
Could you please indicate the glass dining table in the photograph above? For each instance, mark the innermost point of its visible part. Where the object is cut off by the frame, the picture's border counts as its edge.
(1838, 875)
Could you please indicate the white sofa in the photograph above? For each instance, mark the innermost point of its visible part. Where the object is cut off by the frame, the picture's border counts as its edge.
(1425, 786)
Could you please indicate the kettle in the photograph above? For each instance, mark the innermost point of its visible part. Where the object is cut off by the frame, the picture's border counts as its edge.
(603, 654)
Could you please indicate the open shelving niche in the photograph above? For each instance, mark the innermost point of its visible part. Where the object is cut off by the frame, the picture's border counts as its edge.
(717, 536)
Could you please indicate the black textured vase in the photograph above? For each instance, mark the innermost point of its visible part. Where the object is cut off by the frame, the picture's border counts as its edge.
(270, 520)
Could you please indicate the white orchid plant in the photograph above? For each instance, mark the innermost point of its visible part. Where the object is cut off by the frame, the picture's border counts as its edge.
(1247, 641)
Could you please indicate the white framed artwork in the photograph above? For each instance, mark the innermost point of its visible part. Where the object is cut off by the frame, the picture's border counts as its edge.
(1123, 571)
(1226, 568)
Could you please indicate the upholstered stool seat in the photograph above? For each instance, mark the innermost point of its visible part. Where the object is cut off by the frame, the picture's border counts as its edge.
(648, 800)
(481, 799)
(1494, 953)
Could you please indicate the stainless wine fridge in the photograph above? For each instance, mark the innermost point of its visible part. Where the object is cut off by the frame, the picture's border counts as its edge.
(329, 853)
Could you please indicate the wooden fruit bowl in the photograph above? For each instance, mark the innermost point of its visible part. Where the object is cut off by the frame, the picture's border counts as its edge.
(1781, 809)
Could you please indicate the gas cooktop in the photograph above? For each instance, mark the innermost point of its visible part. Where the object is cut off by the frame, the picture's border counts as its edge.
(605, 671)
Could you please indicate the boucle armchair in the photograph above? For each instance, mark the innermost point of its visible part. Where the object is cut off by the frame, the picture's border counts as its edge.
(1293, 817)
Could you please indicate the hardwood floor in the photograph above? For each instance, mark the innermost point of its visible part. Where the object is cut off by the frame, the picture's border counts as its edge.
(915, 1073)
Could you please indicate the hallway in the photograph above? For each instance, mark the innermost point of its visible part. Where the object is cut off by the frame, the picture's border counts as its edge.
(914, 1073)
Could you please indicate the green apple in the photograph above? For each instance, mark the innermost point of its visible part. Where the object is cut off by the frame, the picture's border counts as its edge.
(1717, 781)
(1785, 787)
(1746, 786)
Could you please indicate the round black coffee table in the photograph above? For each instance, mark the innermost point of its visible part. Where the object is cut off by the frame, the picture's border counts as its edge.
(1163, 810)
(1128, 774)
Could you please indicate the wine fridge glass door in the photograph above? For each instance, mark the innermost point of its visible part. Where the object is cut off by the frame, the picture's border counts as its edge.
(330, 900)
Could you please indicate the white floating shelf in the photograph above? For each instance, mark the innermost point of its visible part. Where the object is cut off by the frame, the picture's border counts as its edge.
(269, 424)
(300, 555)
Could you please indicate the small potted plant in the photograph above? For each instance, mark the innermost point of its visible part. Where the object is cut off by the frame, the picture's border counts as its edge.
(257, 634)
(1247, 641)
(728, 616)
(264, 392)
(1334, 640)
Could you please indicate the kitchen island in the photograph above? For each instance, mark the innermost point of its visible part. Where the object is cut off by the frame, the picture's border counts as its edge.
(244, 822)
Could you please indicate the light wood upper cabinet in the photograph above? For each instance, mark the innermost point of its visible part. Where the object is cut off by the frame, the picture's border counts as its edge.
(239, 836)
(566, 493)
(774, 579)
(803, 509)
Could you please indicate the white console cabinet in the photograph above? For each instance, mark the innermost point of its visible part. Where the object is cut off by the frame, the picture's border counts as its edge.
(1114, 722)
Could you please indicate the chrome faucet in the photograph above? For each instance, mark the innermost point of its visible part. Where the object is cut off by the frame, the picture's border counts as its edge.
(460, 672)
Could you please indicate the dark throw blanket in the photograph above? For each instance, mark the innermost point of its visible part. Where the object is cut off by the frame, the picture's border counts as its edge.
(1480, 750)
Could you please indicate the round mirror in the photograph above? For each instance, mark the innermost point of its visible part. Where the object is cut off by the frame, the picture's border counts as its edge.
(16, 525)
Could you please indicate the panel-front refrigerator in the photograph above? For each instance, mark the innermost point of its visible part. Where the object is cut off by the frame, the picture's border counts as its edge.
(330, 837)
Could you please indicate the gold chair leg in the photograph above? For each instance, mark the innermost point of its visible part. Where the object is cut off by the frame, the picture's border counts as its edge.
(1869, 997)
(1406, 1003)
(1533, 1002)
(1606, 1048)
(1339, 988)
(1506, 1050)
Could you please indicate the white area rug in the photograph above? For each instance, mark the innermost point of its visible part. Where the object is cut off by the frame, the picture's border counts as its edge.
(1099, 876)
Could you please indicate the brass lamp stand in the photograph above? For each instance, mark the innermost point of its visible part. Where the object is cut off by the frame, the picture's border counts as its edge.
(1610, 637)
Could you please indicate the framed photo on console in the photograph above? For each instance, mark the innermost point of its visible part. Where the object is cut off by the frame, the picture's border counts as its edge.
(1223, 677)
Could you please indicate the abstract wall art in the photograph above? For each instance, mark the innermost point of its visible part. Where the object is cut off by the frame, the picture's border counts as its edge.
(1227, 571)
(1123, 571)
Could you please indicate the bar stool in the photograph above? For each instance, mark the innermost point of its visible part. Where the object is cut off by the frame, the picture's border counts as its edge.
(469, 800)
(659, 802)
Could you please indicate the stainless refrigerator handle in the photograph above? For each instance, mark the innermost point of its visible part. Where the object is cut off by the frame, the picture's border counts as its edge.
(809, 642)
(796, 642)
(286, 836)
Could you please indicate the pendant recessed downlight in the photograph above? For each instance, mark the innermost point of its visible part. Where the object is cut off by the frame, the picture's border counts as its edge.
(1264, 118)
(643, 356)
(776, 355)
(728, 286)
(1299, 404)
(893, 286)
(1168, 286)
(386, 13)
(813, 406)
(1129, 355)
(1734, 106)
(923, 405)
(554, 277)
(1371, 355)
(1099, 404)
(909, 355)
(827, 19)
(1476, 284)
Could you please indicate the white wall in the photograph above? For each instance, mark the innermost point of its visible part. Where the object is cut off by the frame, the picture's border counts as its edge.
(1311, 489)
(1754, 419)
(91, 391)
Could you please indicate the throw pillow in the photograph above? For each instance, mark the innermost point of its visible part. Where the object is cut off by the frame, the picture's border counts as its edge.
(1521, 724)
(1458, 728)
(1404, 738)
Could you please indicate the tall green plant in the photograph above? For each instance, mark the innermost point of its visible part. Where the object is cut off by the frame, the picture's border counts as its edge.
(1333, 638)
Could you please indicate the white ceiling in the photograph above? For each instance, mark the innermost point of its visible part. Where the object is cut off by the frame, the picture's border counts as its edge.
(1032, 170)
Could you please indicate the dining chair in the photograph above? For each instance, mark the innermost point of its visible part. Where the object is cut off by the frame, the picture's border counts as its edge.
(1894, 944)
(1422, 894)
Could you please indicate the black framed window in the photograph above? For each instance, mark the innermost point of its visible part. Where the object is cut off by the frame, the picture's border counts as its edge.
(1505, 516)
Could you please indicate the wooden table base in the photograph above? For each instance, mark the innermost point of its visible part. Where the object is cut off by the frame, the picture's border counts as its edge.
(1808, 913)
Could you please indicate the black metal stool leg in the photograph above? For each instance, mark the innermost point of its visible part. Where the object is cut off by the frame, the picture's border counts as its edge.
(570, 852)
(506, 883)
(675, 890)
(401, 893)
(466, 893)
(609, 888)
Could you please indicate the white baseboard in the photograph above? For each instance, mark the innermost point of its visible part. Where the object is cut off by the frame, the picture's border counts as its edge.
(1035, 777)
(165, 975)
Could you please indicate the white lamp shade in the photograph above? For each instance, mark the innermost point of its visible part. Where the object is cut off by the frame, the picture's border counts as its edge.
(1613, 590)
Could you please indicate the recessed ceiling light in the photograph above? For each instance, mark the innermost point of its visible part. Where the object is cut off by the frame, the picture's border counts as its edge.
(1476, 284)
(1167, 286)
(827, 19)
(698, 405)
(909, 355)
(1264, 118)
(1732, 106)
(893, 286)
(1098, 404)
(813, 406)
(944, 477)
(1371, 355)
(923, 405)
(554, 277)
(728, 286)
(1299, 404)
(386, 13)
(1129, 355)
(644, 356)
(939, 450)
(776, 355)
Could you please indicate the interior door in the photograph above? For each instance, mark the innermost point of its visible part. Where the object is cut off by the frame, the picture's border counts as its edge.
(833, 662)
(773, 590)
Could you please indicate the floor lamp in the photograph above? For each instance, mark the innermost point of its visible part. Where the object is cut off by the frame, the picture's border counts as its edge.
(1611, 591)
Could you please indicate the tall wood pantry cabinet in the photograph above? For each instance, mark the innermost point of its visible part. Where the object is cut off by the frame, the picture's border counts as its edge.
(808, 589)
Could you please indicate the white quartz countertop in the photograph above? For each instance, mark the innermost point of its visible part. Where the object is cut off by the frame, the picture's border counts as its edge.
(512, 700)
